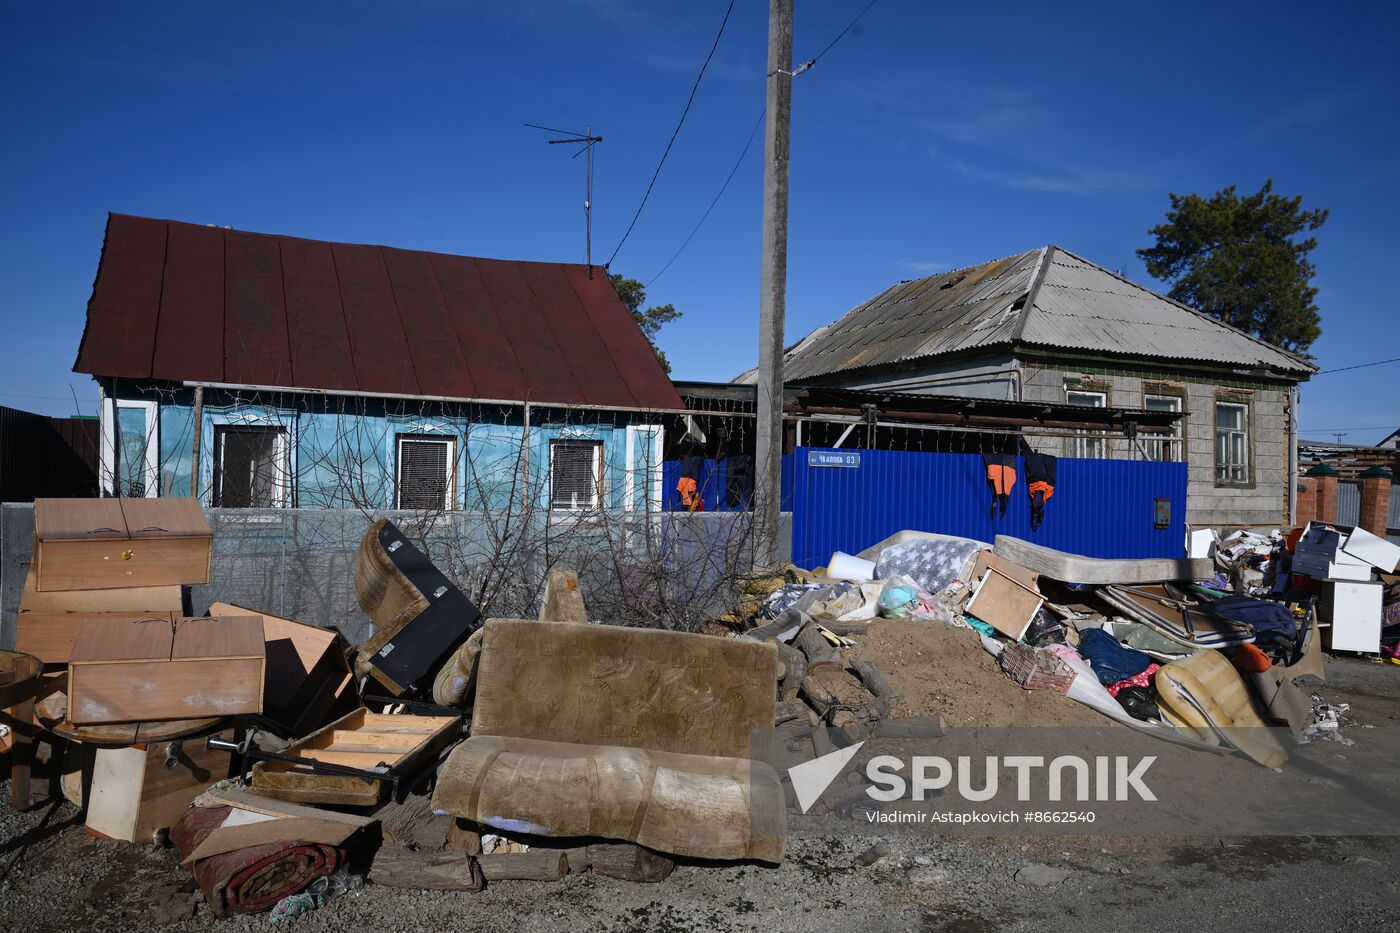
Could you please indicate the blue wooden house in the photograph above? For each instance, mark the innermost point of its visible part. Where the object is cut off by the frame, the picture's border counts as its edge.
(251, 370)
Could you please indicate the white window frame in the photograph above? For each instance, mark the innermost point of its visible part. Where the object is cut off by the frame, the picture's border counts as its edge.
(110, 440)
(450, 495)
(1223, 468)
(1172, 443)
(280, 484)
(597, 445)
(1081, 446)
(637, 435)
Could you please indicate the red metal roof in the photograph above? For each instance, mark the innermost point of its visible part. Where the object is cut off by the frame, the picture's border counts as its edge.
(185, 303)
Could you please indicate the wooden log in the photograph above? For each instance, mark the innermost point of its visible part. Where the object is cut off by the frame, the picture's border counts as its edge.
(874, 681)
(462, 836)
(629, 862)
(819, 652)
(796, 664)
(534, 865)
(433, 871)
(817, 696)
(794, 709)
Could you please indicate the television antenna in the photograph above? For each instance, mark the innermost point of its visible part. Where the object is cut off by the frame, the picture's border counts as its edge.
(587, 140)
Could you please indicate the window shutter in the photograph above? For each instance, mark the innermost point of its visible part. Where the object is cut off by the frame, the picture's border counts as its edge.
(574, 474)
(423, 473)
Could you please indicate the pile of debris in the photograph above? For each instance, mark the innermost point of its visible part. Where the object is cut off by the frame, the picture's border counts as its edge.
(448, 750)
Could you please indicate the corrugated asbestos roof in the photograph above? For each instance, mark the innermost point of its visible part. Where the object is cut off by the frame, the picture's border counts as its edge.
(1076, 306)
(187, 303)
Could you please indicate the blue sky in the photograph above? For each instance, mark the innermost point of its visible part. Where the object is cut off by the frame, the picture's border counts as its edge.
(932, 136)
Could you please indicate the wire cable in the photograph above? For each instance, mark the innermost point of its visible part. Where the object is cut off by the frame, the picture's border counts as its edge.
(754, 132)
(1342, 369)
(737, 162)
(676, 132)
(842, 34)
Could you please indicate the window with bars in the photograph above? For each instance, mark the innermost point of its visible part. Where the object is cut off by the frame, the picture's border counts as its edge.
(1231, 443)
(575, 474)
(251, 470)
(425, 472)
(1164, 447)
(1092, 446)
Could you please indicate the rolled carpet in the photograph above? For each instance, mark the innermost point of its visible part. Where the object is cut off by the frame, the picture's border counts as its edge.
(251, 879)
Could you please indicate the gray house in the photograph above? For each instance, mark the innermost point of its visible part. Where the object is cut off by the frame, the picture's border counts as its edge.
(1050, 326)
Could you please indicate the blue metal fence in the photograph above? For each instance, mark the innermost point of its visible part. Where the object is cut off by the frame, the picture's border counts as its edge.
(848, 500)
(713, 485)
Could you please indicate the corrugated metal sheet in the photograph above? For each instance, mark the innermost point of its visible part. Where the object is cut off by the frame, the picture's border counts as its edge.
(1348, 502)
(1077, 306)
(1084, 307)
(1101, 508)
(180, 302)
(956, 311)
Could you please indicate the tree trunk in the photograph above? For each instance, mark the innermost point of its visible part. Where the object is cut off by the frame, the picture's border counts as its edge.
(629, 862)
(819, 652)
(535, 865)
(434, 871)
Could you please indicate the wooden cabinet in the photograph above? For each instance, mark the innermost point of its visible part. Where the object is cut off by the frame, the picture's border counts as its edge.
(122, 671)
(95, 544)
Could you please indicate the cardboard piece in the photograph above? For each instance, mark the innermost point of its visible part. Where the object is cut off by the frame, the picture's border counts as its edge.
(145, 671)
(301, 830)
(94, 544)
(308, 679)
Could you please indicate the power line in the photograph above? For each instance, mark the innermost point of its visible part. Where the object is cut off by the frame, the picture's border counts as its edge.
(842, 34)
(737, 162)
(829, 46)
(676, 132)
(1342, 369)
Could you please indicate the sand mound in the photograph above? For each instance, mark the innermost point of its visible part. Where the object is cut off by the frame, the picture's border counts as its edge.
(940, 668)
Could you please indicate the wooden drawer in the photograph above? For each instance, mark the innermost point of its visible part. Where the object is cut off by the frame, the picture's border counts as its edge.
(50, 636)
(145, 671)
(94, 544)
(133, 794)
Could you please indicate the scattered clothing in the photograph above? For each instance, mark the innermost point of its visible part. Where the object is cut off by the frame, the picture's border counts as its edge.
(1111, 661)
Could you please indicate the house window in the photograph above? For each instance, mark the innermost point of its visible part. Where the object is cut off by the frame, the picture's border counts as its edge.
(575, 474)
(130, 448)
(426, 466)
(1164, 447)
(250, 467)
(1231, 443)
(1092, 446)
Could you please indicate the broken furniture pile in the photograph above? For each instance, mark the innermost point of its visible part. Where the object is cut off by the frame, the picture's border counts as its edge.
(1161, 646)
(445, 752)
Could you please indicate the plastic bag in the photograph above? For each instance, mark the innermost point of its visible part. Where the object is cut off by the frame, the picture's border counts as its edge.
(897, 597)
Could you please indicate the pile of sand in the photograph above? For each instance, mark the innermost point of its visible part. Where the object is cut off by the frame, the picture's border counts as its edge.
(940, 668)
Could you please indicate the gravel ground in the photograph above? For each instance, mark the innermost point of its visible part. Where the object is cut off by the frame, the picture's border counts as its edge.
(64, 880)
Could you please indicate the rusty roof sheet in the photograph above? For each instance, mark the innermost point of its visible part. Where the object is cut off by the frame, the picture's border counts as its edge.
(1046, 297)
(187, 303)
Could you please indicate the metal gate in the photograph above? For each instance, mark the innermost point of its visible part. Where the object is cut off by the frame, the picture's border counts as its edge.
(848, 500)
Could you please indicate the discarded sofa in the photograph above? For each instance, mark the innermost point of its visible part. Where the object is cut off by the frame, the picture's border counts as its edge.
(637, 735)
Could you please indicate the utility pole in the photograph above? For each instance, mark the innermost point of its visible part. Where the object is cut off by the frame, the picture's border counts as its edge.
(768, 459)
(588, 140)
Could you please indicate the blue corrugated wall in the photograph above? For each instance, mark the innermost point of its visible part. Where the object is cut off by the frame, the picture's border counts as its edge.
(711, 486)
(1101, 508)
